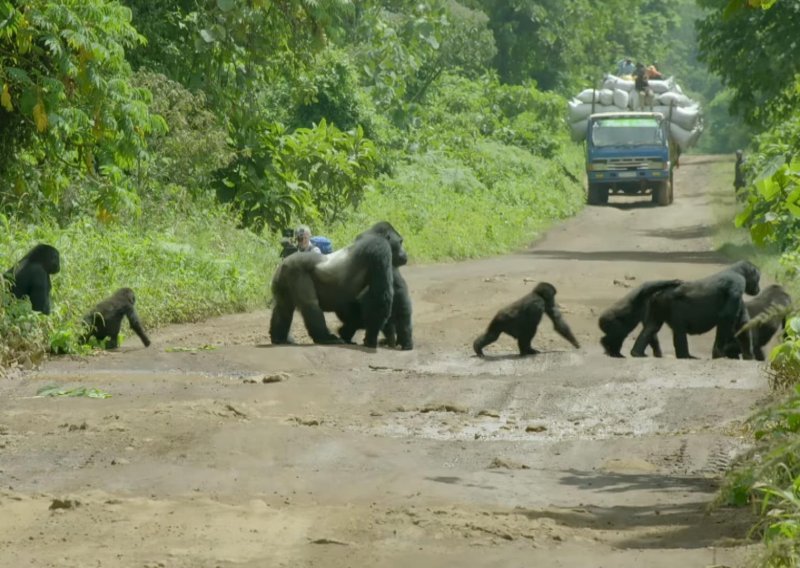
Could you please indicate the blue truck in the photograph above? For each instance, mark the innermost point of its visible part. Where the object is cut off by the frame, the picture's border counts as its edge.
(629, 153)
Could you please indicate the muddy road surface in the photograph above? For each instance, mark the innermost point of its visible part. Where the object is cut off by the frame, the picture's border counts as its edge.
(346, 457)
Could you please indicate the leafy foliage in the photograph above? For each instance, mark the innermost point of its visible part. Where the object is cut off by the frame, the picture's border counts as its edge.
(194, 147)
(69, 109)
(312, 173)
(753, 50)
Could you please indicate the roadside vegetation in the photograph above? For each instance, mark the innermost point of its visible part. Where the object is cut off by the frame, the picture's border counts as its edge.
(768, 477)
(165, 146)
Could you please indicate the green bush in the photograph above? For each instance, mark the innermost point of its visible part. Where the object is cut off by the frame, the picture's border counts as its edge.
(497, 198)
(181, 268)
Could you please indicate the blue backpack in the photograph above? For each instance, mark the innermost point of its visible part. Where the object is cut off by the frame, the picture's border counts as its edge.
(324, 244)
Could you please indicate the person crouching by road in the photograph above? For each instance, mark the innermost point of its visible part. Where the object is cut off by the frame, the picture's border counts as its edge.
(302, 237)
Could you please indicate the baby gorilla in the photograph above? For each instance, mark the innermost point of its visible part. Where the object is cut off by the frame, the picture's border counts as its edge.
(520, 320)
(105, 319)
(622, 317)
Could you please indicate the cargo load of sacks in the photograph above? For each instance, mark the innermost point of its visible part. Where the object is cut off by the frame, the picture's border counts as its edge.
(619, 95)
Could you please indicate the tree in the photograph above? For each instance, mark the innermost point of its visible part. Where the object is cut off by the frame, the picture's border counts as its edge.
(67, 103)
(753, 47)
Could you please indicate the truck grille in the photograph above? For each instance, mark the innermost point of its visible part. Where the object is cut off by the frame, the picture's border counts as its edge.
(621, 164)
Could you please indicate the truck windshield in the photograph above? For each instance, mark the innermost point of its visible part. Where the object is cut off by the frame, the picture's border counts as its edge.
(627, 132)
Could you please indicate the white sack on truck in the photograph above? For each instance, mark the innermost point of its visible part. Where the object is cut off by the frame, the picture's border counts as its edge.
(661, 85)
(685, 139)
(578, 110)
(620, 98)
(585, 96)
(614, 82)
(577, 129)
(674, 98)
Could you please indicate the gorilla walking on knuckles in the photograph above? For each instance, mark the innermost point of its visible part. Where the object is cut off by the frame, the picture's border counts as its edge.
(105, 319)
(521, 319)
(619, 320)
(770, 297)
(698, 306)
(31, 276)
(315, 283)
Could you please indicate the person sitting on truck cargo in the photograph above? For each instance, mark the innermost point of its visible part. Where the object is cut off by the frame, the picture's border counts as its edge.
(625, 67)
(653, 73)
(642, 87)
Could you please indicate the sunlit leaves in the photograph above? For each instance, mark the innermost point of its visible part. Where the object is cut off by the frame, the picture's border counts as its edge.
(65, 77)
(5, 98)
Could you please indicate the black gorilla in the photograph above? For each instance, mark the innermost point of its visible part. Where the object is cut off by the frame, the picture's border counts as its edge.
(105, 319)
(315, 283)
(397, 331)
(624, 315)
(520, 320)
(700, 305)
(31, 276)
(770, 296)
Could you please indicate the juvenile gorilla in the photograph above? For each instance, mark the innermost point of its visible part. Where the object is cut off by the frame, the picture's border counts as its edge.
(397, 330)
(31, 276)
(520, 320)
(700, 305)
(315, 283)
(619, 320)
(105, 319)
(770, 296)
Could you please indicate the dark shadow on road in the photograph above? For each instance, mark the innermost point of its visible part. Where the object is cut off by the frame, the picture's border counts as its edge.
(336, 345)
(689, 232)
(607, 482)
(688, 257)
(692, 526)
(512, 356)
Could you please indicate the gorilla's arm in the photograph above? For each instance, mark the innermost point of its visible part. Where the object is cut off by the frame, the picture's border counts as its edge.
(39, 288)
(136, 326)
(559, 324)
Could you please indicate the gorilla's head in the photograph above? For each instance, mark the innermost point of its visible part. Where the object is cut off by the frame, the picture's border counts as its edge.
(546, 290)
(47, 256)
(752, 276)
(385, 229)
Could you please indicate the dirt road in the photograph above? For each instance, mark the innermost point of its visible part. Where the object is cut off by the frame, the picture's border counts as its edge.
(425, 458)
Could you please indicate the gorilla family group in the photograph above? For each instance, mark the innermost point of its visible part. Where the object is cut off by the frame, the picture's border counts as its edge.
(30, 277)
(363, 286)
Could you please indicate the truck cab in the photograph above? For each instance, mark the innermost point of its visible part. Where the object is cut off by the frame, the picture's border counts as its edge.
(629, 153)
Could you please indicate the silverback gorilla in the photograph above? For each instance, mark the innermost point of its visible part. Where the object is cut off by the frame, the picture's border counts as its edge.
(773, 295)
(315, 283)
(105, 319)
(698, 306)
(520, 320)
(619, 320)
(31, 276)
(397, 331)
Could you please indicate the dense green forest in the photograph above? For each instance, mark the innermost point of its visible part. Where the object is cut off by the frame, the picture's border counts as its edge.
(164, 145)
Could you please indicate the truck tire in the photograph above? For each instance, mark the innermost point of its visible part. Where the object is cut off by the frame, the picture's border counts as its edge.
(597, 195)
(661, 193)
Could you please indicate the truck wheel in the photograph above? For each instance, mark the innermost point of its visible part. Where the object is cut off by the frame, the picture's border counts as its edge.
(598, 194)
(661, 193)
